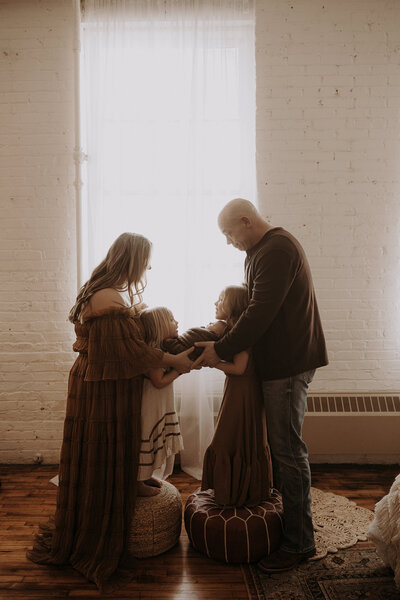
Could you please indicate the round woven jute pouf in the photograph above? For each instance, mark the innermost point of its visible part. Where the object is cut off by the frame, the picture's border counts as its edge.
(157, 522)
(233, 534)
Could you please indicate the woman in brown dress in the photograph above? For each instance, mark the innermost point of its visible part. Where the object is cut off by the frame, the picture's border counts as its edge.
(237, 464)
(99, 455)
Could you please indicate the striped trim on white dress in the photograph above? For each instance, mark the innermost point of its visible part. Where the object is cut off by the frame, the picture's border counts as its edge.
(161, 435)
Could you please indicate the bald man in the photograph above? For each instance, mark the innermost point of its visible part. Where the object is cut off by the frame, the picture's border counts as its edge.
(282, 326)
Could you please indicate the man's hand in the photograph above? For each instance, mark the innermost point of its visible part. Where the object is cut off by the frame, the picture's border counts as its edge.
(208, 358)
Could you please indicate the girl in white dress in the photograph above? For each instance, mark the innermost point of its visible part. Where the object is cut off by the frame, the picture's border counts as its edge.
(161, 436)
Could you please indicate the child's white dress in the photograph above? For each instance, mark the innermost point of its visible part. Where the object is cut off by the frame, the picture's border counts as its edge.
(161, 435)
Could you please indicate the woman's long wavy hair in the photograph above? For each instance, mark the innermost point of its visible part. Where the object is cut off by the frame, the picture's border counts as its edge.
(236, 300)
(124, 269)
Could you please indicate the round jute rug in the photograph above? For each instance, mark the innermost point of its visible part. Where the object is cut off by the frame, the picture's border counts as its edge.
(338, 522)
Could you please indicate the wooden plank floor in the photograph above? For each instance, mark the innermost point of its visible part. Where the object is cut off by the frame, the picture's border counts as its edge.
(27, 498)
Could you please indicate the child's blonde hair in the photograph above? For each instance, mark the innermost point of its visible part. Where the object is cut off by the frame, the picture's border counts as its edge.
(236, 300)
(157, 324)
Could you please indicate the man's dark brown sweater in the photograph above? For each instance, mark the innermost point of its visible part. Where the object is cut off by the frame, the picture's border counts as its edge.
(282, 323)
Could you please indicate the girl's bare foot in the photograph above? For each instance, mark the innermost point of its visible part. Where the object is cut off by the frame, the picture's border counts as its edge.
(147, 490)
(153, 482)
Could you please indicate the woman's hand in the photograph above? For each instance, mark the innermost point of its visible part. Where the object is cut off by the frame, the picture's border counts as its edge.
(180, 362)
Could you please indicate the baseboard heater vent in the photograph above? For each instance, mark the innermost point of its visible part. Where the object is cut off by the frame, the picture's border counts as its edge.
(353, 404)
(358, 428)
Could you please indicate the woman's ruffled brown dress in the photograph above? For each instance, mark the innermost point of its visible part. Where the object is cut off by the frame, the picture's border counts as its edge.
(237, 464)
(99, 454)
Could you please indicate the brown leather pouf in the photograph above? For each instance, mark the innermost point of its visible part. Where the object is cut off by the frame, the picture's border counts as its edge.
(231, 534)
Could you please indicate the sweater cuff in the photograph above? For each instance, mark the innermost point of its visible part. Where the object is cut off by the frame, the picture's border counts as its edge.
(222, 348)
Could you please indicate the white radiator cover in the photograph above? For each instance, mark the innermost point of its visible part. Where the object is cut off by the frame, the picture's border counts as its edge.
(353, 429)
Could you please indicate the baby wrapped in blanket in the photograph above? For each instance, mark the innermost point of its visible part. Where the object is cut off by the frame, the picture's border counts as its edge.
(182, 342)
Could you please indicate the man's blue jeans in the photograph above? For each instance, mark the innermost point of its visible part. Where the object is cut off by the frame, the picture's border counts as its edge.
(285, 405)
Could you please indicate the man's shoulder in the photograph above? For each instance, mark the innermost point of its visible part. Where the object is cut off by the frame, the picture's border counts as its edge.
(279, 239)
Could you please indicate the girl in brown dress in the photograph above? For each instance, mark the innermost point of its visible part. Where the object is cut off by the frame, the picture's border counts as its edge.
(237, 464)
(99, 455)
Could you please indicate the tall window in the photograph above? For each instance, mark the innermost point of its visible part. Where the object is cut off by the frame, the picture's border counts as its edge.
(168, 127)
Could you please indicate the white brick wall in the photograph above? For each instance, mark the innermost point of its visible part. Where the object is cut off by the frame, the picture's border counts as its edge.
(328, 161)
(37, 227)
(328, 158)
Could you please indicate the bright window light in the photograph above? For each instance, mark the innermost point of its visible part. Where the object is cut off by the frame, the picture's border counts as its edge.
(168, 129)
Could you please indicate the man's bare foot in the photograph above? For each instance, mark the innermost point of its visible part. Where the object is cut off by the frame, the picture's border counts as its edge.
(147, 490)
(153, 482)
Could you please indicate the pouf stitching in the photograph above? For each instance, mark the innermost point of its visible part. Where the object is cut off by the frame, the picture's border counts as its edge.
(226, 548)
(205, 537)
(267, 532)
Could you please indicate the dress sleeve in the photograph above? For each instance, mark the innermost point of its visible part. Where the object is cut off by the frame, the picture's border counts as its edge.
(116, 349)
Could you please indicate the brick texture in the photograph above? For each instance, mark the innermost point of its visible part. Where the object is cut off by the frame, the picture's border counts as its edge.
(328, 152)
(37, 227)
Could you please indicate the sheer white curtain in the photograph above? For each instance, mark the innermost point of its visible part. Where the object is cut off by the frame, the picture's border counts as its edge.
(168, 130)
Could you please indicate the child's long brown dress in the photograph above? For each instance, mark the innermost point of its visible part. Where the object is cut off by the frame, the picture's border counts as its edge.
(237, 464)
(99, 454)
